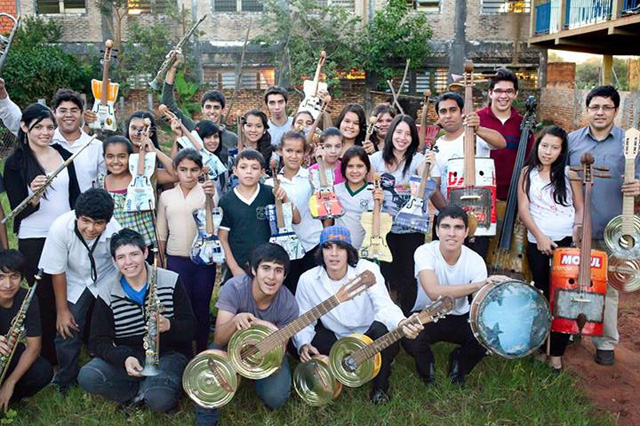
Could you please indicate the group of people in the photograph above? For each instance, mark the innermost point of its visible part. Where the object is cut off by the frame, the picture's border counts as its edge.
(96, 254)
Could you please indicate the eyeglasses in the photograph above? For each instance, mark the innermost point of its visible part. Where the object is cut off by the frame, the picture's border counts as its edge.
(509, 92)
(605, 108)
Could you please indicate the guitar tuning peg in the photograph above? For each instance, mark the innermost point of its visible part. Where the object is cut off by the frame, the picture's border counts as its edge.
(601, 169)
(602, 175)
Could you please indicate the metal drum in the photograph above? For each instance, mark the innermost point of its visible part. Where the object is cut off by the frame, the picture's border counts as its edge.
(314, 382)
(202, 385)
(365, 371)
(244, 357)
(511, 319)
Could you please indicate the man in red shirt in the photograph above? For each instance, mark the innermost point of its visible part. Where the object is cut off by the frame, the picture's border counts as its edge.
(500, 115)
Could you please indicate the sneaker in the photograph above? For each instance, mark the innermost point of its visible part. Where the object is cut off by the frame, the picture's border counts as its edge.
(605, 357)
(378, 396)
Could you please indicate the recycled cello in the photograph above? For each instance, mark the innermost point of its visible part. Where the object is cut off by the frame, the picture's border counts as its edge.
(579, 275)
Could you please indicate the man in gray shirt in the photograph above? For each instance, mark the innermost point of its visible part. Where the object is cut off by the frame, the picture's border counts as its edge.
(276, 98)
(606, 142)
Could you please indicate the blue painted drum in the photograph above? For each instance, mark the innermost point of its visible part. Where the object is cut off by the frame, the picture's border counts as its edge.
(511, 319)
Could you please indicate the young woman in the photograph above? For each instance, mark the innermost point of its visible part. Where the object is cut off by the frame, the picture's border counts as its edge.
(302, 121)
(116, 157)
(134, 131)
(396, 164)
(26, 170)
(550, 206)
(353, 125)
(385, 114)
(255, 134)
(331, 147)
(294, 179)
(177, 230)
(353, 193)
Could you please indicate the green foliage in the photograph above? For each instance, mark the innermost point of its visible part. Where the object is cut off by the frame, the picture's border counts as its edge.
(9, 416)
(588, 73)
(394, 35)
(37, 69)
(186, 93)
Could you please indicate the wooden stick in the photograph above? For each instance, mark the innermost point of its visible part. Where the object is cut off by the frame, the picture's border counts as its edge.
(395, 97)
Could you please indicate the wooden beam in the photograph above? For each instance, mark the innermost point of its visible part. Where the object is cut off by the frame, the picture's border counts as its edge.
(533, 17)
(607, 68)
(616, 7)
(620, 31)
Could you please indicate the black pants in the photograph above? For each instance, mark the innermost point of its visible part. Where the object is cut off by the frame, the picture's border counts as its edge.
(479, 244)
(299, 267)
(35, 378)
(31, 249)
(541, 273)
(325, 338)
(454, 329)
(400, 273)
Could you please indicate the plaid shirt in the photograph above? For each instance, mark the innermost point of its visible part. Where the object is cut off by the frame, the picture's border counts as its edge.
(141, 222)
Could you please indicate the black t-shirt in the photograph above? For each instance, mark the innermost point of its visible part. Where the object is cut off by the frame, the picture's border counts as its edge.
(31, 323)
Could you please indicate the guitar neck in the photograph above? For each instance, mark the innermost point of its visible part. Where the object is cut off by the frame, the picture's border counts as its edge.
(628, 201)
(423, 122)
(208, 206)
(585, 253)
(375, 218)
(105, 81)
(322, 169)
(378, 345)
(423, 181)
(279, 212)
(141, 154)
(280, 337)
(469, 142)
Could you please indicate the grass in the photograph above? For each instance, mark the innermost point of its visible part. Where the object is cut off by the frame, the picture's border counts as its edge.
(498, 392)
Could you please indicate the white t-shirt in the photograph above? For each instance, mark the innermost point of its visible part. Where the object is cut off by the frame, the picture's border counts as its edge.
(276, 131)
(397, 185)
(448, 149)
(354, 204)
(469, 268)
(37, 224)
(553, 219)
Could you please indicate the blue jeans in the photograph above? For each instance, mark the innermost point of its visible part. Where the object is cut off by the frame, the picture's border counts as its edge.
(68, 350)
(160, 393)
(273, 391)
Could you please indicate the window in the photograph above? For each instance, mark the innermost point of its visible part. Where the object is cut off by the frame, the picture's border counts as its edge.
(237, 6)
(252, 78)
(429, 6)
(136, 7)
(61, 6)
(506, 6)
(434, 79)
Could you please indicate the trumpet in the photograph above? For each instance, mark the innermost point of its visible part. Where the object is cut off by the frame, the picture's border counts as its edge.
(152, 339)
(172, 54)
(5, 42)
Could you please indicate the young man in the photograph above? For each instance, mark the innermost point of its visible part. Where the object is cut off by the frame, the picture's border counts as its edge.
(276, 98)
(212, 106)
(244, 224)
(118, 330)
(501, 116)
(28, 372)
(450, 110)
(257, 297)
(76, 254)
(68, 109)
(606, 142)
(372, 313)
(445, 267)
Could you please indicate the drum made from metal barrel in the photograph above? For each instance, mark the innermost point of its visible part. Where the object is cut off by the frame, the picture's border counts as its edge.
(204, 386)
(569, 300)
(511, 319)
(364, 372)
(314, 382)
(244, 357)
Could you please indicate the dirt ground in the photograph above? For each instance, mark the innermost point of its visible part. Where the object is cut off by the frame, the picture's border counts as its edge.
(613, 389)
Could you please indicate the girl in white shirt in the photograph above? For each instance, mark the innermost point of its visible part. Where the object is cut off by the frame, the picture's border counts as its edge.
(550, 206)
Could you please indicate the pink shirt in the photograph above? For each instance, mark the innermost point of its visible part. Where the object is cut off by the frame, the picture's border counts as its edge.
(337, 172)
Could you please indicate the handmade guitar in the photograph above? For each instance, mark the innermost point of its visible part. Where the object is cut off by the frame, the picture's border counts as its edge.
(140, 193)
(105, 94)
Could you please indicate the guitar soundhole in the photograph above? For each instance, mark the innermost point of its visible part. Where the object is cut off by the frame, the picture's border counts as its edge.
(627, 242)
(481, 173)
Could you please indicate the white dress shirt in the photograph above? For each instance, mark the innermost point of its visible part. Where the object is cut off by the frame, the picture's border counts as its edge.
(64, 252)
(353, 316)
(89, 164)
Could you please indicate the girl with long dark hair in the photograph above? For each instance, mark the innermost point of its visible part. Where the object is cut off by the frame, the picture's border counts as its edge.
(26, 170)
(352, 122)
(255, 133)
(550, 206)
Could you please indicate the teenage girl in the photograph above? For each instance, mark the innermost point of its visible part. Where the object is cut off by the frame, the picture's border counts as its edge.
(354, 195)
(331, 146)
(134, 131)
(353, 125)
(26, 170)
(255, 133)
(384, 114)
(550, 206)
(177, 230)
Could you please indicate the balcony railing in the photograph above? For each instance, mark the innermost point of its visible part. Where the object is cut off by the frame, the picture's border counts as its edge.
(630, 6)
(577, 13)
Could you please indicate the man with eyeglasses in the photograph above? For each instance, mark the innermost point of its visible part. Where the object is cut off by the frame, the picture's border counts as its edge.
(606, 142)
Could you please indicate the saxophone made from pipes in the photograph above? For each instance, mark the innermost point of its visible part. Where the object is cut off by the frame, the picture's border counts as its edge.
(152, 338)
(17, 329)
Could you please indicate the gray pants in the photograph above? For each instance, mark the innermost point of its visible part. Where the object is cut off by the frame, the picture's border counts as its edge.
(610, 337)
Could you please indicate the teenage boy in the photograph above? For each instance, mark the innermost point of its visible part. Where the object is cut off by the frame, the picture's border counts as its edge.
(212, 105)
(244, 223)
(76, 254)
(119, 326)
(501, 116)
(606, 142)
(28, 372)
(445, 267)
(372, 313)
(453, 119)
(276, 98)
(256, 297)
